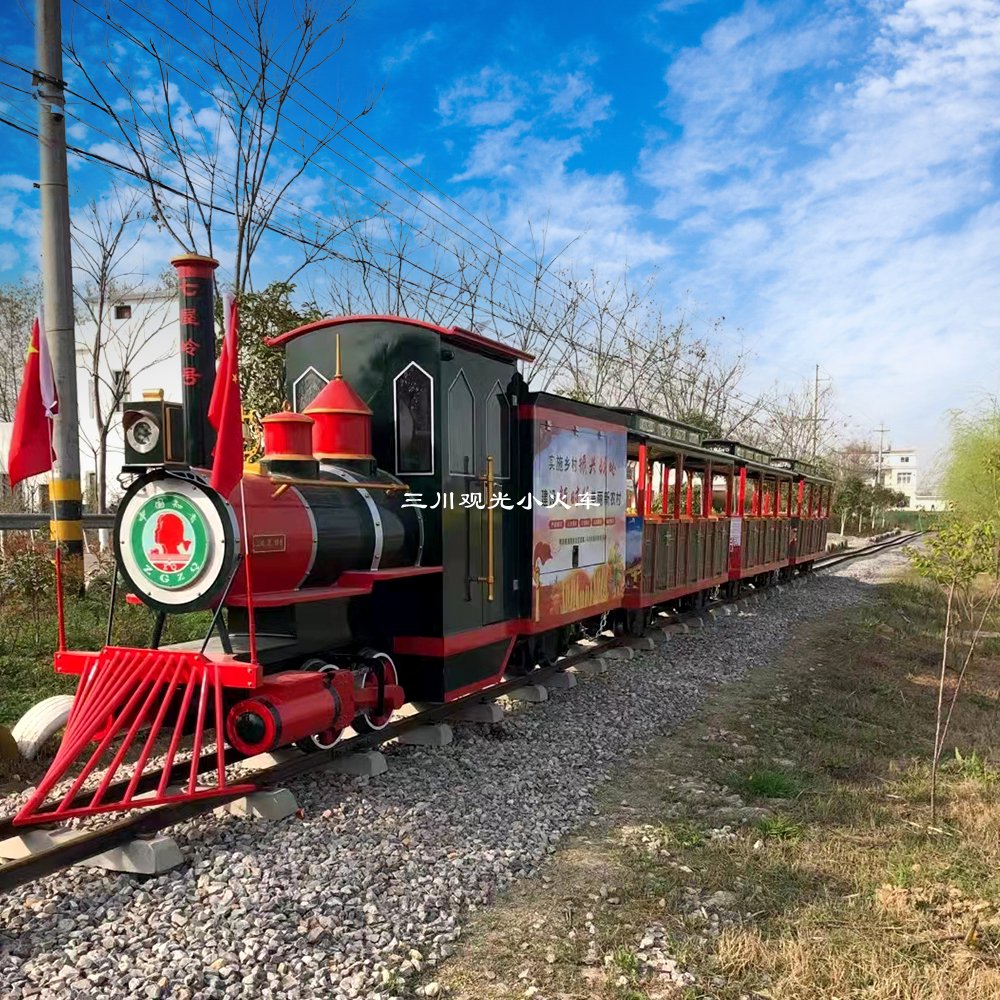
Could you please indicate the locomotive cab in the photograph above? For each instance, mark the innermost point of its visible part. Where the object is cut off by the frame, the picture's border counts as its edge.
(443, 405)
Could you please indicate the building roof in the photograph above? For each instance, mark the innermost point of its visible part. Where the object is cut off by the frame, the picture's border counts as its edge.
(455, 335)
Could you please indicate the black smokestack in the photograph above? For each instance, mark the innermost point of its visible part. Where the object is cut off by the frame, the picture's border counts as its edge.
(197, 351)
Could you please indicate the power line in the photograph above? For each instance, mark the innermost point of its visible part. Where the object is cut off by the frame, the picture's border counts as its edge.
(492, 252)
(498, 310)
(125, 32)
(352, 123)
(320, 142)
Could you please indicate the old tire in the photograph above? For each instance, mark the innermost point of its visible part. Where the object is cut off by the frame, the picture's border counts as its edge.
(40, 723)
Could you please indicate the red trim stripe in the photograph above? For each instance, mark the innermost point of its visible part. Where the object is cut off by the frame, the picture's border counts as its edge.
(467, 338)
(633, 601)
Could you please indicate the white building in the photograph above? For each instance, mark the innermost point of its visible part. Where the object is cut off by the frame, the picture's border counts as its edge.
(138, 349)
(899, 471)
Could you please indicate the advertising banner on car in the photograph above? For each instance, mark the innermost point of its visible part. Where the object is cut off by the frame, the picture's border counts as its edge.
(579, 521)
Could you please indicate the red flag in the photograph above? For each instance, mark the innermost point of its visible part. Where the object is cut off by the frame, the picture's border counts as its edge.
(225, 413)
(31, 439)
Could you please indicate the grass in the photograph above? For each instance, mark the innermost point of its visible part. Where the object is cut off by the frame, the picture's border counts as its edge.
(765, 785)
(28, 633)
(684, 833)
(780, 828)
(626, 960)
(842, 887)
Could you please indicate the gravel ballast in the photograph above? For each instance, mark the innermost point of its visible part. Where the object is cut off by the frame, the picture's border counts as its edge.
(371, 882)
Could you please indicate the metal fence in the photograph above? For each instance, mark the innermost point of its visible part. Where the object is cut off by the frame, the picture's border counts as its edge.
(29, 522)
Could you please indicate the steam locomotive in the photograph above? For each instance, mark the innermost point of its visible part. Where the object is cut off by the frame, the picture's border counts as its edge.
(419, 524)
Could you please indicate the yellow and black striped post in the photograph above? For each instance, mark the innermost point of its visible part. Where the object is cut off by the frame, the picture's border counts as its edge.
(66, 526)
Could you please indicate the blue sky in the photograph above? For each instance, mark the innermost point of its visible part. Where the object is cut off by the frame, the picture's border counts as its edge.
(822, 174)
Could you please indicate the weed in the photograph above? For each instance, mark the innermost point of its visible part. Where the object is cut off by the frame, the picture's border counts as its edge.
(780, 828)
(972, 767)
(766, 785)
(684, 833)
(901, 875)
(982, 701)
(627, 961)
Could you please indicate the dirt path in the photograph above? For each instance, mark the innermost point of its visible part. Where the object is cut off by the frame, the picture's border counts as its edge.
(776, 845)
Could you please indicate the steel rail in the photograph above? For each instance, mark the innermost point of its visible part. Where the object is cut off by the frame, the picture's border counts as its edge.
(148, 822)
(869, 550)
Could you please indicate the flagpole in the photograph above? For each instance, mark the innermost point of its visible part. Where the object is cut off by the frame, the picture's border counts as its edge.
(229, 348)
(251, 623)
(60, 608)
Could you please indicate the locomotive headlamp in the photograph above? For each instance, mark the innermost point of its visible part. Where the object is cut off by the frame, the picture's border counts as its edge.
(154, 432)
(143, 434)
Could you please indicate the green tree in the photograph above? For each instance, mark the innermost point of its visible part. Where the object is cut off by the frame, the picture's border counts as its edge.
(262, 315)
(971, 481)
(953, 558)
(849, 500)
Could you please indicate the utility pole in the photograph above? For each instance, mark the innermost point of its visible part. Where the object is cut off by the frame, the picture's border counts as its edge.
(882, 431)
(57, 274)
(816, 419)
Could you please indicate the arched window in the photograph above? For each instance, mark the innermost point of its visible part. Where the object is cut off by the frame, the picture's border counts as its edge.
(461, 428)
(413, 406)
(306, 388)
(498, 431)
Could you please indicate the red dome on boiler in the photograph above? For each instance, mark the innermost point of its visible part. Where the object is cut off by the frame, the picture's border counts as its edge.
(342, 421)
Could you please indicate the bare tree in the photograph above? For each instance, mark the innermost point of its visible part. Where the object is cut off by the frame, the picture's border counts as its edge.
(241, 153)
(796, 418)
(113, 350)
(408, 269)
(18, 306)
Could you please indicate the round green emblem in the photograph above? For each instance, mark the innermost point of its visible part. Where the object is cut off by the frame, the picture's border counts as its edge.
(169, 540)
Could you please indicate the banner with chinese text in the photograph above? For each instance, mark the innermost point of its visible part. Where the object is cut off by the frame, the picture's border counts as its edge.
(579, 529)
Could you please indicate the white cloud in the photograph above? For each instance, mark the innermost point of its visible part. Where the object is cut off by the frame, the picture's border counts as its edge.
(676, 6)
(835, 182)
(489, 98)
(528, 132)
(407, 49)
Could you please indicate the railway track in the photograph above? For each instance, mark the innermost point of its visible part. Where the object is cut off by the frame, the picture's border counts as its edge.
(88, 843)
(837, 558)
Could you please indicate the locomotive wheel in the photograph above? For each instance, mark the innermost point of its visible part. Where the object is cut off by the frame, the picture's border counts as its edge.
(367, 722)
(331, 737)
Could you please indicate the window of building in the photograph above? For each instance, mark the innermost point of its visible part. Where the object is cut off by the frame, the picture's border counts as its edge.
(306, 388)
(903, 459)
(498, 430)
(120, 383)
(904, 478)
(123, 312)
(461, 428)
(413, 406)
